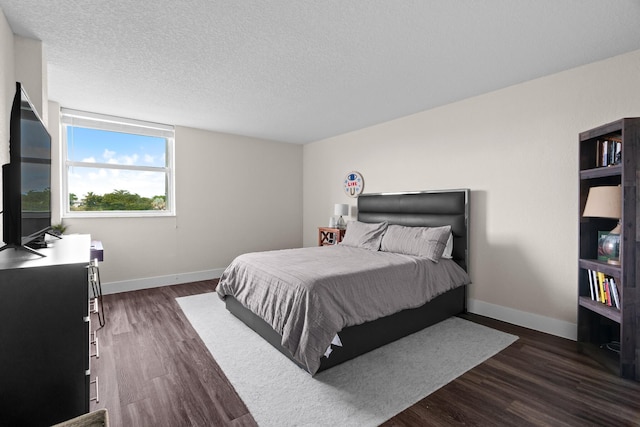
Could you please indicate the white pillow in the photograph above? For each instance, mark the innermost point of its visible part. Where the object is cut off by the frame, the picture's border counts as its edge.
(448, 250)
(364, 235)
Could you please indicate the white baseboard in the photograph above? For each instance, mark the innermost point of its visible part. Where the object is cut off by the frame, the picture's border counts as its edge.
(536, 322)
(156, 282)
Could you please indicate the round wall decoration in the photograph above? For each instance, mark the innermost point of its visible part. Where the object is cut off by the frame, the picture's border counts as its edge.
(353, 184)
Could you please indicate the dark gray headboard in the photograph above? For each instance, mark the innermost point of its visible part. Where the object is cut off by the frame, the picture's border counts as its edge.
(423, 209)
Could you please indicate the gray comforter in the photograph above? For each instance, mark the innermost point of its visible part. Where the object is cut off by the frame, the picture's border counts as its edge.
(308, 295)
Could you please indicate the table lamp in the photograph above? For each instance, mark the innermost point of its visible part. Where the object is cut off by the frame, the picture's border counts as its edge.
(340, 209)
(606, 202)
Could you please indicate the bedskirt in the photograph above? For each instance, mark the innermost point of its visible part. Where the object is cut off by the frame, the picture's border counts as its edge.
(360, 339)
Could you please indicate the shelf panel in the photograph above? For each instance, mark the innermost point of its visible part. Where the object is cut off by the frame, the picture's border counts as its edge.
(603, 131)
(601, 172)
(594, 264)
(598, 307)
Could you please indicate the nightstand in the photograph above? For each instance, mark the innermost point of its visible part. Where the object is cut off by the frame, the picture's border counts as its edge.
(330, 235)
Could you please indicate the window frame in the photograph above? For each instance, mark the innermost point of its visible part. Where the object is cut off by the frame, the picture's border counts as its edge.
(77, 118)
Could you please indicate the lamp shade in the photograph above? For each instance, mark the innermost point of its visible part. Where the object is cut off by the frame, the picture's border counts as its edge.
(604, 202)
(340, 209)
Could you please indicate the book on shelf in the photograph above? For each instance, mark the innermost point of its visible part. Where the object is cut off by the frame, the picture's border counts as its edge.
(616, 295)
(603, 289)
(609, 152)
(600, 276)
(596, 287)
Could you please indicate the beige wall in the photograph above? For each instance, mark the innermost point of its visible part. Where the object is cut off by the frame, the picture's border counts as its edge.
(516, 149)
(31, 72)
(234, 194)
(7, 88)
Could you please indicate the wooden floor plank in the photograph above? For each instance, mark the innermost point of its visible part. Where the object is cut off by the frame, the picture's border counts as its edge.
(155, 371)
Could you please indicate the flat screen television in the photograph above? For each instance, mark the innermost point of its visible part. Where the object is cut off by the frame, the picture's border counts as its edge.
(26, 179)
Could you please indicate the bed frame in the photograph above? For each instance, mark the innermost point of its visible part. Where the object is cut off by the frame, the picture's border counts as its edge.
(419, 209)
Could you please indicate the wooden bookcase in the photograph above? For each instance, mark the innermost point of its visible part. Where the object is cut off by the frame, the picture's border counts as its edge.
(601, 327)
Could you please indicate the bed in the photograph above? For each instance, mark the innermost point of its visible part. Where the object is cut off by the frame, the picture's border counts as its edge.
(363, 331)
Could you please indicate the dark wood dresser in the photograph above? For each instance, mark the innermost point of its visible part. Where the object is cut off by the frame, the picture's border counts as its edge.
(44, 333)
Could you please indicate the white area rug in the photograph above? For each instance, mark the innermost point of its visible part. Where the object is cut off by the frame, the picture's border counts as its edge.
(365, 391)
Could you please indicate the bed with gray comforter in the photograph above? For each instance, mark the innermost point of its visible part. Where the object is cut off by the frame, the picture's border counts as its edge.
(394, 274)
(309, 295)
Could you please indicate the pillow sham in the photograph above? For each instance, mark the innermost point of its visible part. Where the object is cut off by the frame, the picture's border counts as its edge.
(448, 250)
(425, 242)
(364, 235)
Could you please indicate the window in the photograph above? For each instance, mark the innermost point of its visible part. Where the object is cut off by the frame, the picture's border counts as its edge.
(115, 166)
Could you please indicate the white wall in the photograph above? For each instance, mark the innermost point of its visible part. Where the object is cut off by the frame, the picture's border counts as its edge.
(31, 72)
(7, 89)
(234, 194)
(516, 149)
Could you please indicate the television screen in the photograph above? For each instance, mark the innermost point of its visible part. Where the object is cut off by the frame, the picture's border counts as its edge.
(27, 178)
(36, 197)
(35, 172)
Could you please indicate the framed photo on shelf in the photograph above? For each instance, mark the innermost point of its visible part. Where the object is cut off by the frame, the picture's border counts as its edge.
(601, 255)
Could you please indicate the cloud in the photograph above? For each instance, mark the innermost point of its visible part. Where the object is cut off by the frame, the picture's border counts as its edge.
(120, 160)
(108, 154)
(129, 160)
(100, 174)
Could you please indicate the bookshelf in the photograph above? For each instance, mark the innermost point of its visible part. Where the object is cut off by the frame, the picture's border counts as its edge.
(610, 332)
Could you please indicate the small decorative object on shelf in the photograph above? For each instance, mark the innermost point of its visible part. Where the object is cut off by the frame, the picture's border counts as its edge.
(608, 240)
(606, 202)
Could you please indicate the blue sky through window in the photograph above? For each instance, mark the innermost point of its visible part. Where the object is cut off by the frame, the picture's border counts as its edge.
(108, 147)
(100, 146)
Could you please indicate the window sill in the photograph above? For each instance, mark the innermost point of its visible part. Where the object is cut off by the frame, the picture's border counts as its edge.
(117, 214)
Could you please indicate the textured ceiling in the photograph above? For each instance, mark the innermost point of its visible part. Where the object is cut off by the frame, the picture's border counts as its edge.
(300, 71)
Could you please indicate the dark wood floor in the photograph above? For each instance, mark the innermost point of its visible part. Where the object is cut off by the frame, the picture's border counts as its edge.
(155, 371)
